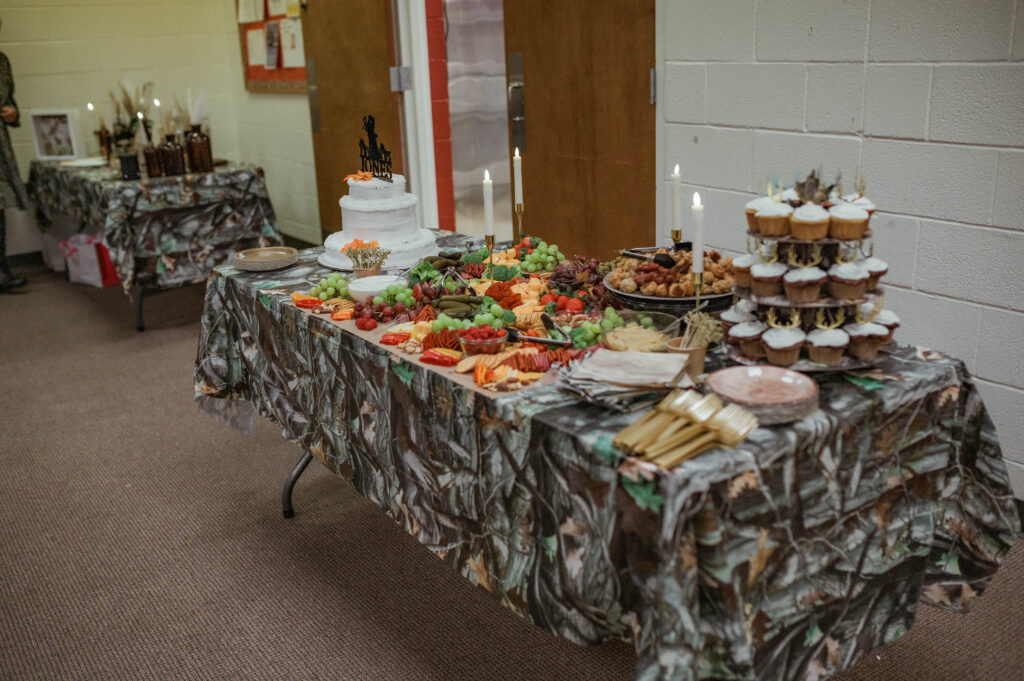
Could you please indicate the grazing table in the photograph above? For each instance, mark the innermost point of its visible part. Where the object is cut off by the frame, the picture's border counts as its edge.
(788, 557)
(161, 232)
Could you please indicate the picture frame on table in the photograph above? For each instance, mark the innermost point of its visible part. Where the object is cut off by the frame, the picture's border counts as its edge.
(55, 132)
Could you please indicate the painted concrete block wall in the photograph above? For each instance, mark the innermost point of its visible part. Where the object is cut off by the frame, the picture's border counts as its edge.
(65, 53)
(274, 133)
(927, 98)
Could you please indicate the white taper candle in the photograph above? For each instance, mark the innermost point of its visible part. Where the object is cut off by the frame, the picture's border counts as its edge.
(698, 235)
(488, 204)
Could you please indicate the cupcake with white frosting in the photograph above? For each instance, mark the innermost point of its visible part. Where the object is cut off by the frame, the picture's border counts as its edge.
(741, 270)
(809, 221)
(861, 202)
(766, 278)
(877, 269)
(826, 346)
(791, 195)
(782, 346)
(734, 316)
(847, 281)
(865, 339)
(803, 284)
(747, 336)
(773, 220)
(744, 305)
(890, 320)
(847, 222)
(751, 210)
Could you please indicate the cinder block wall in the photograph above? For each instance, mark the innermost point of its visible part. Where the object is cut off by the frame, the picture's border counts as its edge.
(927, 97)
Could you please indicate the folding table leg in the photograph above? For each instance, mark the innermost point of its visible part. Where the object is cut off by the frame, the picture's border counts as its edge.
(289, 485)
(140, 293)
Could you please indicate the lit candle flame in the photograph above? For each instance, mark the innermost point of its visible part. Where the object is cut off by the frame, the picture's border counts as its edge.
(140, 115)
(696, 200)
(517, 151)
(156, 102)
(90, 106)
(487, 176)
(675, 171)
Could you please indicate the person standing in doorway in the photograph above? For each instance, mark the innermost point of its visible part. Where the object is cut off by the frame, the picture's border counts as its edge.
(12, 191)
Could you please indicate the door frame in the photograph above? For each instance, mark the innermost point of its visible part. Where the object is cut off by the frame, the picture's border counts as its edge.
(662, 221)
(417, 109)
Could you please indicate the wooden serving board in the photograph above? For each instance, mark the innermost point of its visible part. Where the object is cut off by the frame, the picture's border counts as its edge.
(773, 394)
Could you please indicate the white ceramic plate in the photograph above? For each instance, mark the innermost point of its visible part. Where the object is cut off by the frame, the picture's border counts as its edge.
(368, 287)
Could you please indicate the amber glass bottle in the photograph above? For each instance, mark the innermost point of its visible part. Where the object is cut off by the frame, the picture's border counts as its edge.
(172, 157)
(200, 160)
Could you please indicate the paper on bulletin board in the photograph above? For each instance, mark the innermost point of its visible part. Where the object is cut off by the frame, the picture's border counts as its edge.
(276, 8)
(273, 43)
(292, 53)
(256, 45)
(250, 11)
(293, 9)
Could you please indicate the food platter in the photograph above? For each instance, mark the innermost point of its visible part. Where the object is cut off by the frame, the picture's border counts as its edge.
(672, 306)
(773, 394)
(847, 363)
(265, 259)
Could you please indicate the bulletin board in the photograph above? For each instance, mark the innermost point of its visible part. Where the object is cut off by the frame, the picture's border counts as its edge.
(275, 13)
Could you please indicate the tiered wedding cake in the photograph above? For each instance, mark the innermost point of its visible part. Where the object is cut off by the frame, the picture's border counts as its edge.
(382, 211)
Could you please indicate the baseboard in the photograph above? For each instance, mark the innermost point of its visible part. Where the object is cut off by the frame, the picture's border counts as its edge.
(31, 258)
(297, 243)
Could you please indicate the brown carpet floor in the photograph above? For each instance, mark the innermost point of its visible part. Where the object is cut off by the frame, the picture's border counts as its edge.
(140, 540)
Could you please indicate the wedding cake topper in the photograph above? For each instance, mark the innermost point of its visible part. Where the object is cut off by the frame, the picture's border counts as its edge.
(376, 158)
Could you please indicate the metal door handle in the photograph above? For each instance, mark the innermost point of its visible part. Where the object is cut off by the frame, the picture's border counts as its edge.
(516, 101)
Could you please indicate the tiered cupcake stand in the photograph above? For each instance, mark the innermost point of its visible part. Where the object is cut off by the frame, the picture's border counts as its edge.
(825, 312)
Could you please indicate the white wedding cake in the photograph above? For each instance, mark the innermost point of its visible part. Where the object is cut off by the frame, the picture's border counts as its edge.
(382, 211)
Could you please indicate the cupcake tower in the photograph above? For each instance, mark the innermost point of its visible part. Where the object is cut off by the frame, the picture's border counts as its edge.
(808, 293)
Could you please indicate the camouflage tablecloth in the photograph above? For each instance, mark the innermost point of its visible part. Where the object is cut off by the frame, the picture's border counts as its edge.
(162, 232)
(786, 558)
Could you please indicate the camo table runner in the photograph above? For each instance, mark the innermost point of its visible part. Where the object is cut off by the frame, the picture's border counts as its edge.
(788, 557)
(161, 232)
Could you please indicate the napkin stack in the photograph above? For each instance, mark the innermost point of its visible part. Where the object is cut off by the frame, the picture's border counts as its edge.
(624, 381)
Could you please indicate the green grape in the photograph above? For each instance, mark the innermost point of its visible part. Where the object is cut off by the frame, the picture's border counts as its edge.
(496, 310)
(550, 267)
(497, 323)
(543, 245)
(323, 283)
(323, 296)
(314, 292)
(331, 292)
(436, 325)
(377, 300)
(607, 324)
(646, 321)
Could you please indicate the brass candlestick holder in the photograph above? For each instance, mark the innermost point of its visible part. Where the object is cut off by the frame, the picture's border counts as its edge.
(677, 236)
(519, 222)
(489, 240)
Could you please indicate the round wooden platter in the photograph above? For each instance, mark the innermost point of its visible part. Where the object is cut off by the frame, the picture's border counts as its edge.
(265, 259)
(773, 394)
(782, 301)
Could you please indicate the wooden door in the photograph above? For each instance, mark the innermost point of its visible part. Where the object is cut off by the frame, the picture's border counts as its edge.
(349, 48)
(588, 168)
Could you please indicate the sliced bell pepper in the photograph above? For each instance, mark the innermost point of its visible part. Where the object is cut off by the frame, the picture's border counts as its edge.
(438, 358)
(342, 315)
(308, 303)
(394, 338)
